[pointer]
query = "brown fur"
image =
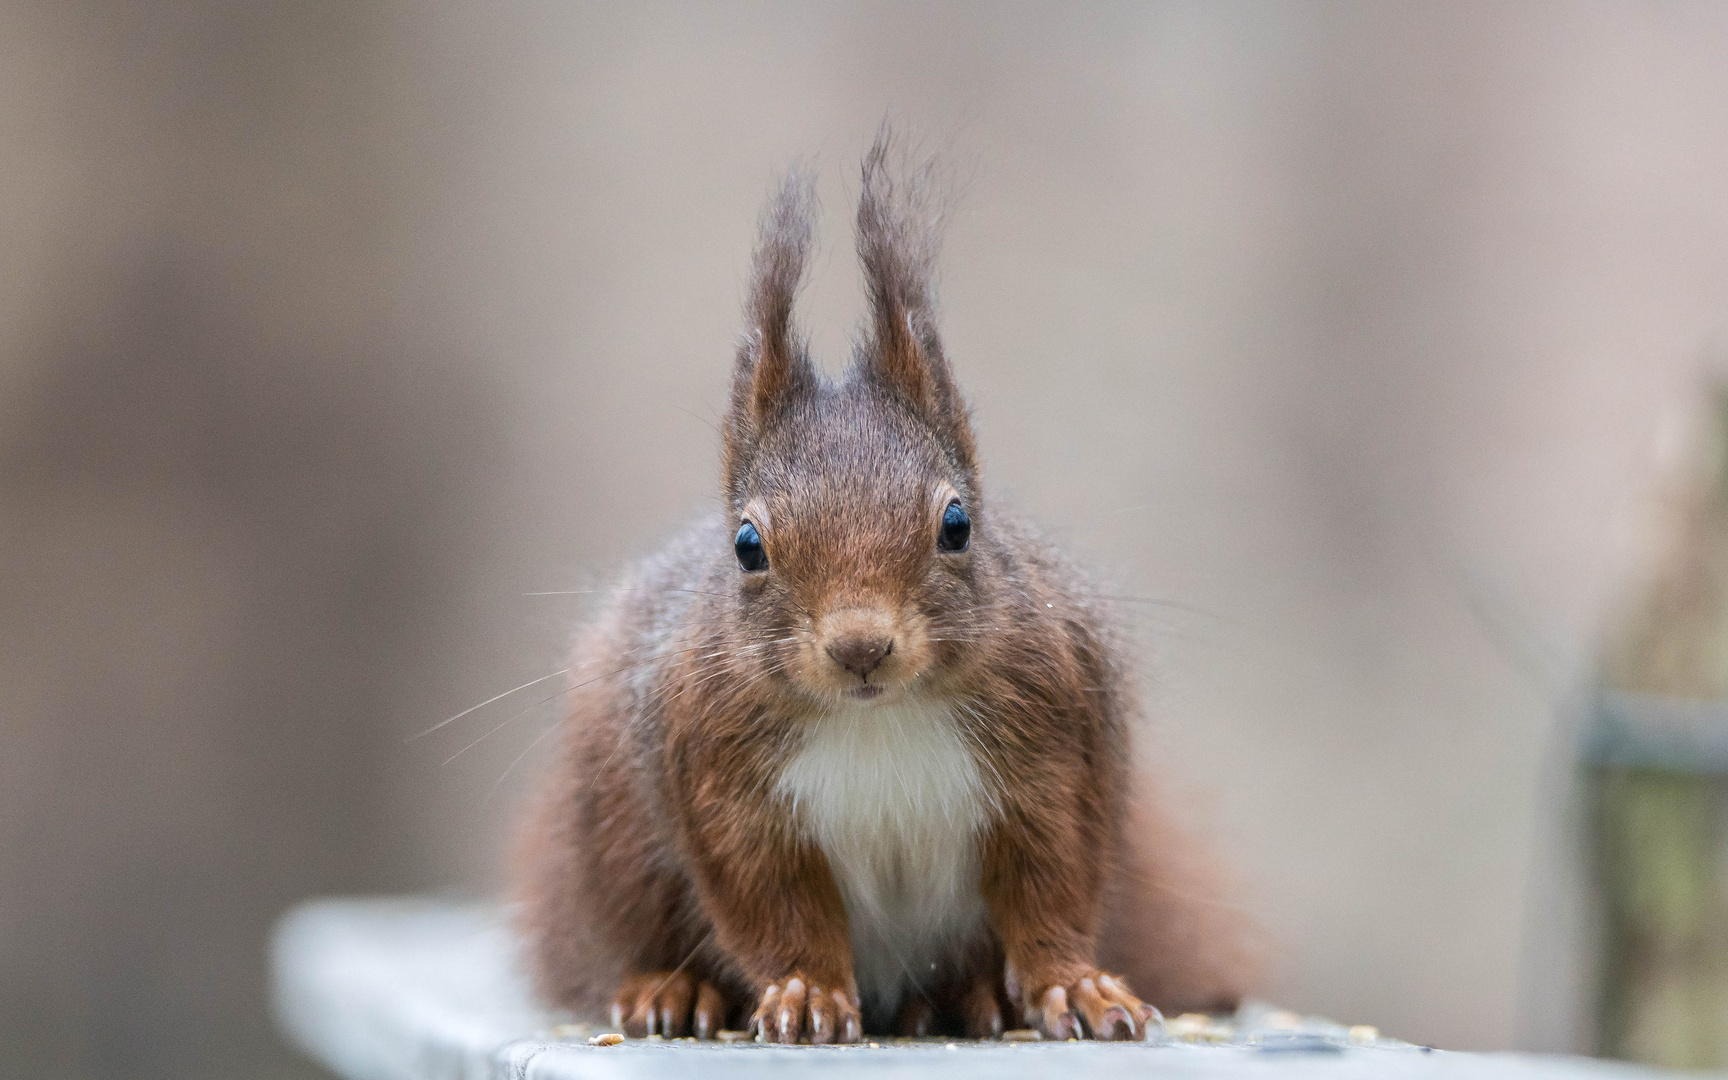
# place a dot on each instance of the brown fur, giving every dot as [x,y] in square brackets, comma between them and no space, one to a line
[663,874]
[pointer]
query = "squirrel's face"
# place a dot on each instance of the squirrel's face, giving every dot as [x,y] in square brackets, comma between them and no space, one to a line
[854,548]
[860,544]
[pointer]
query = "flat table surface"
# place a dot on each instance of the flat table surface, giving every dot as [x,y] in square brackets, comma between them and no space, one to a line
[413,989]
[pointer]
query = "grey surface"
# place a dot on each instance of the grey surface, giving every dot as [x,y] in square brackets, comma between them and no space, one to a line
[412,989]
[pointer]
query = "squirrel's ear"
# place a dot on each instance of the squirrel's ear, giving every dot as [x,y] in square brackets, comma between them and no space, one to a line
[901,211]
[773,368]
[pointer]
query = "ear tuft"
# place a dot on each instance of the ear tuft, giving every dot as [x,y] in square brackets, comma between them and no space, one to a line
[772,368]
[902,209]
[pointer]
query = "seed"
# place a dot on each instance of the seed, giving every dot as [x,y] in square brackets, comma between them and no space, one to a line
[1188,1026]
[1022,1035]
[732,1036]
[610,1038]
[1364,1033]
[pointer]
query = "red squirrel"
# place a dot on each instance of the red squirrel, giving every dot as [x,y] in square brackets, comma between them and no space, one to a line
[852,756]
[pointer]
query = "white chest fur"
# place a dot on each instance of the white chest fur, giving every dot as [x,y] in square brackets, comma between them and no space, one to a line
[894,797]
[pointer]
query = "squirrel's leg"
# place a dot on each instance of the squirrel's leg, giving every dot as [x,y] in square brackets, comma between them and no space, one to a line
[777,912]
[1042,889]
[981,1006]
[916,1017]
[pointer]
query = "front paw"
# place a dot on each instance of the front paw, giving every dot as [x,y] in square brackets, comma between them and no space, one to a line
[668,1003]
[795,1008]
[1096,1006]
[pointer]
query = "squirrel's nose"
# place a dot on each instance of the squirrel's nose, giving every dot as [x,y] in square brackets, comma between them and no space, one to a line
[860,655]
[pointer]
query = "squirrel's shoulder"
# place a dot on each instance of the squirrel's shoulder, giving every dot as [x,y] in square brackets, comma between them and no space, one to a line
[665,590]
[1039,576]
[1032,559]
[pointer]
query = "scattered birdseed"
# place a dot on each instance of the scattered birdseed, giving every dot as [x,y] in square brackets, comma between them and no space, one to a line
[732,1036]
[875,1046]
[1283,1020]
[1188,1026]
[1364,1033]
[1022,1035]
[611,1038]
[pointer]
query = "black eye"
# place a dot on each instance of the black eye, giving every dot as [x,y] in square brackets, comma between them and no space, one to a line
[748,545]
[956,529]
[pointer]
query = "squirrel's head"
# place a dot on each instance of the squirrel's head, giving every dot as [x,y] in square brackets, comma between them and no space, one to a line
[859,535]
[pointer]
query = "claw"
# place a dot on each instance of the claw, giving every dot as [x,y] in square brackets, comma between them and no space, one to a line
[710,1014]
[915,1019]
[852,1025]
[821,1025]
[1059,1022]
[1097,1006]
[800,1008]
[982,1011]
[791,1010]
[659,1003]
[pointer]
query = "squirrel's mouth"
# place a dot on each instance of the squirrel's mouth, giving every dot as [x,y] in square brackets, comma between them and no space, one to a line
[864,693]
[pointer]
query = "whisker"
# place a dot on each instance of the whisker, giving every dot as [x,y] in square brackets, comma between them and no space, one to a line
[597,772]
[488,701]
[553,697]
[506,723]
[1154,601]
[620,588]
[674,972]
[710,650]
[525,750]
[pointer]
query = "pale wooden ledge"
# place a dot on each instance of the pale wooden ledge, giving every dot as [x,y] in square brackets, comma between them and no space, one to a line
[412,989]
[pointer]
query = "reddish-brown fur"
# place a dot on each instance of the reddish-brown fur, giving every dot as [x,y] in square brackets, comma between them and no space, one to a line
[663,874]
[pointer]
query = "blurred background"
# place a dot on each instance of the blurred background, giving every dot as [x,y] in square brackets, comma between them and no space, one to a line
[1376,338]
